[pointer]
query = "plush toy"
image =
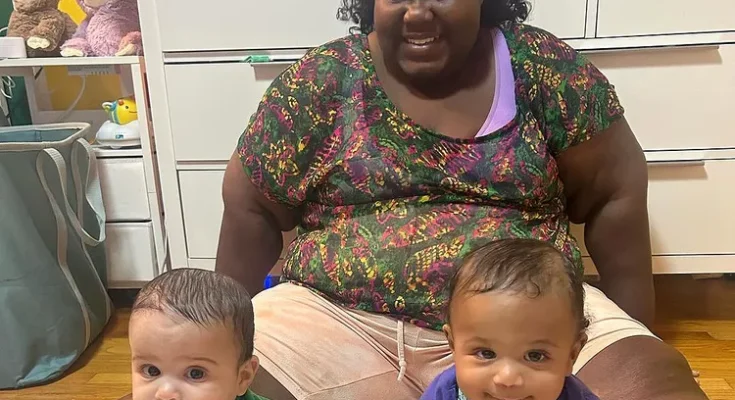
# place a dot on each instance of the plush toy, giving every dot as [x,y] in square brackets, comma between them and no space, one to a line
[111,28]
[41,25]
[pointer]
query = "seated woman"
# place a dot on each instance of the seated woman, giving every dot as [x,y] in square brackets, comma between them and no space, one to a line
[442,126]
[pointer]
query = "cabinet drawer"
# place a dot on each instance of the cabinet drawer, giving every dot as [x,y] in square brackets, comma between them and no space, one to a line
[690,209]
[564,18]
[201,200]
[655,17]
[124,190]
[130,254]
[238,24]
[210,105]
[676,99]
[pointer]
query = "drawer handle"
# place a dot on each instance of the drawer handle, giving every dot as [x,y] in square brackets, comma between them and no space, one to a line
[685,158]
[272,59]
[673,163]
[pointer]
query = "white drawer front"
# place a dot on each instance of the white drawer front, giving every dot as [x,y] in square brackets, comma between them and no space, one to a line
[690,209]
[247,24]
[130,254]
[201,198]
[676,99]
[124,190]
[563,18]
[210,105]
[656,17]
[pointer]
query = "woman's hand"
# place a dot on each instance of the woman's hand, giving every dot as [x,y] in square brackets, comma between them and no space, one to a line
[606,184]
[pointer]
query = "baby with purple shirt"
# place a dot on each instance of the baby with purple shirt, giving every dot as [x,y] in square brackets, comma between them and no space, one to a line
[515,324]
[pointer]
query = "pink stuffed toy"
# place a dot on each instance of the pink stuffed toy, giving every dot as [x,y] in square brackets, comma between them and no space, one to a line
[111,28]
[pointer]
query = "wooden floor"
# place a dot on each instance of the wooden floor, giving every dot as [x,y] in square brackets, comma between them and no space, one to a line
[697,317]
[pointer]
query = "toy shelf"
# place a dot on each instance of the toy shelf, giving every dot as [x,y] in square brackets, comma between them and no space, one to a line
[68,61]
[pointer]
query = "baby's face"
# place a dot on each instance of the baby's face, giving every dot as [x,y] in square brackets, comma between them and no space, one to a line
[174,359]
[508,346]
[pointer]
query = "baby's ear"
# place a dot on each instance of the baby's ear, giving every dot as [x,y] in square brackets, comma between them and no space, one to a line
[448,332]
[581,341]
[247,374]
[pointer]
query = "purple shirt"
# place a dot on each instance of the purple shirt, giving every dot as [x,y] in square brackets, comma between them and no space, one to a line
[444,387]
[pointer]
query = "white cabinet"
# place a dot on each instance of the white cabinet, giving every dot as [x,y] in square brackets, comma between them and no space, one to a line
[690,209]
[124,189]
[656,17]
[135,236]
[130,254]
[201,198]
[678,98]
[564,18]
[210,105]
[247,24]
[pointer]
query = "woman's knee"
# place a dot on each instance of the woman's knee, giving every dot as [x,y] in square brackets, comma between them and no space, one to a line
[641,367]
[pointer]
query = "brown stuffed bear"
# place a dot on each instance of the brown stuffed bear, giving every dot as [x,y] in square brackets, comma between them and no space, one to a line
[42,25]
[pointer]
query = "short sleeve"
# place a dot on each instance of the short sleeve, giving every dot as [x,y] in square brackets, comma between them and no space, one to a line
[578,100]
[275,147]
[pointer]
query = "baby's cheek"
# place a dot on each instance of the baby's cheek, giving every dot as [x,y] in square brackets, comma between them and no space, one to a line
[211,390]
[471,378]
[547,385]
[143,390]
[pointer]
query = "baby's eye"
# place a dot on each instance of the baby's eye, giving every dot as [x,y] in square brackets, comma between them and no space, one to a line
[196,374]
[486,354]
[535,356]
[151,371]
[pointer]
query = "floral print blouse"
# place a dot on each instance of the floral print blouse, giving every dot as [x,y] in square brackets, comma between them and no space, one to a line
[389,208]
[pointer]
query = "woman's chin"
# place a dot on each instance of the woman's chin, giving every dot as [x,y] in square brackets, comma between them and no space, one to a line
[422,71]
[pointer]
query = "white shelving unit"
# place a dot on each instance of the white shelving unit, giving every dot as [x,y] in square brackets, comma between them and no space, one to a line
[136,244]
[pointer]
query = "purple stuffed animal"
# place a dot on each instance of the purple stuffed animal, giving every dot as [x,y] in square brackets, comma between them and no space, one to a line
[111,28]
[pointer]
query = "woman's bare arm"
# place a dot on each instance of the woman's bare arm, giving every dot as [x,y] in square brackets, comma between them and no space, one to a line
[606,183]
[250,237]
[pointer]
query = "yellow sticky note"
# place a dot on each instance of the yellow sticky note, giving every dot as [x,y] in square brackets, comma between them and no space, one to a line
[72,8]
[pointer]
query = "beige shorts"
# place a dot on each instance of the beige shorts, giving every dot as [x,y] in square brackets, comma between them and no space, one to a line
[319,350]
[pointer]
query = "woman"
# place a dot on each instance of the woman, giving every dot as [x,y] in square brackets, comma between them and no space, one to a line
[444,125]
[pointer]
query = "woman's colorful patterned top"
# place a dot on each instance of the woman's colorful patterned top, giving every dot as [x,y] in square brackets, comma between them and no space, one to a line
[389,208]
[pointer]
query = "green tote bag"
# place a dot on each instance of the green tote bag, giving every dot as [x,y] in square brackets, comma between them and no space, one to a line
[53,301]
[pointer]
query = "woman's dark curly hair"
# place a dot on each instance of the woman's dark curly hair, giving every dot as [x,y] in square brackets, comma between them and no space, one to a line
[494,13]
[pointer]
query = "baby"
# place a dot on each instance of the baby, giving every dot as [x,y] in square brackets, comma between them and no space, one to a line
[191,338]
[515,324]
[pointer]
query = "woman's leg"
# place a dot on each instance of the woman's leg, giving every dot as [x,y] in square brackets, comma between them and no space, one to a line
[311,349]
[623,360]
[640,368]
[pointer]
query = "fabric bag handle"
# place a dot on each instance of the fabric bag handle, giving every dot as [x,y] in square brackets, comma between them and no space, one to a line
[88,189]
[62,235]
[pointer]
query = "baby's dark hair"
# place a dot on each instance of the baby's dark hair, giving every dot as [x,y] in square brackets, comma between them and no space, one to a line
[205,298]
[527,266]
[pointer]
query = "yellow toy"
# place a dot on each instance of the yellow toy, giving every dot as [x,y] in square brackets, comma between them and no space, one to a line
[122,111]
[122,128]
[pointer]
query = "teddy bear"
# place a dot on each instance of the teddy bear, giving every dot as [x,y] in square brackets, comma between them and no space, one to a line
[42,25]
[111,28]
